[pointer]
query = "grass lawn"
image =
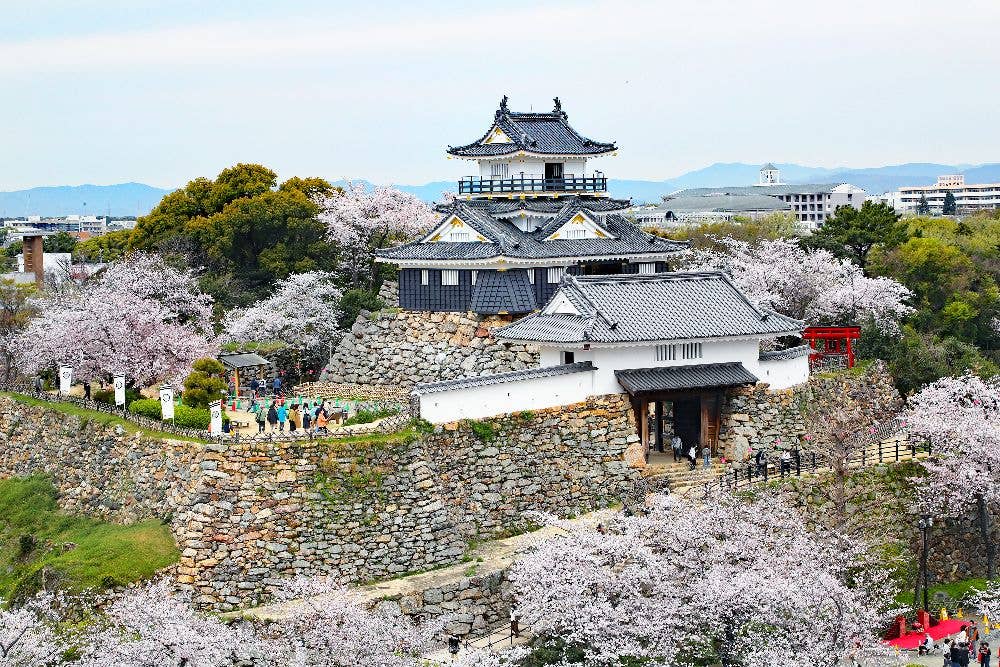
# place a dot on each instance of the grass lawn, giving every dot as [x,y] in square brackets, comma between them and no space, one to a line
[955,590]
[40,544]
[94,416]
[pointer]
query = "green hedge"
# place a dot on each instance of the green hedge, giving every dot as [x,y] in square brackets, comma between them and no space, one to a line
[368,416]
[184,415]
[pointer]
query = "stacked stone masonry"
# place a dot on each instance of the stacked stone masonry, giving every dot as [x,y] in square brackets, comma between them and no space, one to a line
[405,348]
[246,514]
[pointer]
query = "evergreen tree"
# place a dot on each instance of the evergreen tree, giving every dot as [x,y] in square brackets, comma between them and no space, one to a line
[851,233]
[949,207]
[923,208]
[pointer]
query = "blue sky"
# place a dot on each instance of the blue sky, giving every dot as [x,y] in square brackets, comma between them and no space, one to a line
[160,92]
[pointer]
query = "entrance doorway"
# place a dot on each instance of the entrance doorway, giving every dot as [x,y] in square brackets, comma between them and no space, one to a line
[553,175]
[687,420]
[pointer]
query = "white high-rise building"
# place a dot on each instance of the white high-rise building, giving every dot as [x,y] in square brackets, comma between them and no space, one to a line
[968,198]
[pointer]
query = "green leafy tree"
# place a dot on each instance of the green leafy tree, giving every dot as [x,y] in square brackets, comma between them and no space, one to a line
[205,383]
[16,310]
[104,248]
[923,208]
[353,302]
[852,233]
[244,228]
[61,242]
[949,207]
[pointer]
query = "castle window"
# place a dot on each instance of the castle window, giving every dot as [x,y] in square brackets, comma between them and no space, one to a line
[461,236]
[691,351]
[423,277]
[531,276]
[475,274]
[647,268]
[576,233]
[568,357]
[555,274]
[499,170]
[449,277]
[666,352]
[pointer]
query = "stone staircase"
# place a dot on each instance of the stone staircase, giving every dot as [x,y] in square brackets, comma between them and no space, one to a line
[678,476]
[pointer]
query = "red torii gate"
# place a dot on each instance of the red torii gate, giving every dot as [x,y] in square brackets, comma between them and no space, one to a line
[831,341]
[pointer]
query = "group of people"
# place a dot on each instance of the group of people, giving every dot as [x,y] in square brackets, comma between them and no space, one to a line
[295,416]
[260,387]
[962,649]
[677,444]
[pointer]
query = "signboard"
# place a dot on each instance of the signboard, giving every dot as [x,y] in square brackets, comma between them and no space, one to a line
[215,409]
[120,391]
[167,402]
[65,379]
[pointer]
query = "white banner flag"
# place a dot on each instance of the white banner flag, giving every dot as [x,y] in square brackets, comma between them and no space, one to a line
[65,379]
[120,391]
[167,402]
[215,408]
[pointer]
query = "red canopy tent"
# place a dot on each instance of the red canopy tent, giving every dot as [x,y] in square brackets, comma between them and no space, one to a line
[828,343]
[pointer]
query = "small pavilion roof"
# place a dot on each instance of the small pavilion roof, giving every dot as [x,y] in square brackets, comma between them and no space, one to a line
[539,133]
[244,360]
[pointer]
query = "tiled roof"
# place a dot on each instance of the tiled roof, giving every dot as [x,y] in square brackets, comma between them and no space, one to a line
[497,378]
[640,308]
[671,378]
[247,360]
[504,239]
[542,133]
[768,167]
[721,203]
[552,204]
[790,353]
[782,189]
[503,292]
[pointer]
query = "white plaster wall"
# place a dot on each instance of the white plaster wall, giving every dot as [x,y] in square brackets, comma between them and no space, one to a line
[784,373]
[779,374]
[506,397]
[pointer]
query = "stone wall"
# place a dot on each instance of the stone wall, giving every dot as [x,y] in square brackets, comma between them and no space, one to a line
[244,514]
[404,348]
[756,417]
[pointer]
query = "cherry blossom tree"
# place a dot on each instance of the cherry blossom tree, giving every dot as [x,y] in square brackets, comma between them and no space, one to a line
[362,221]
[960,418]
[327,626]
[27,635]
[139,318]
[806,284]
[746,582]
[151,627]
[302,312]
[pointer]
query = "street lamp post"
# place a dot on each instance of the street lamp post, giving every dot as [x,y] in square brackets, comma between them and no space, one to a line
[925,523]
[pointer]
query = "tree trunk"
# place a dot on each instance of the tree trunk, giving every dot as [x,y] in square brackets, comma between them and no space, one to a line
[984,531]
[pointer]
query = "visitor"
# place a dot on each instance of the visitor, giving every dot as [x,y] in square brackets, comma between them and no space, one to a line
[926,645]
[786,462]
[293,417]
[706,455]
[86,390]
[321,421]
[678,446]
[282,416]
[39,385]
[254,388]
[260,414]
[276,385]
[973,633]
[983,657]
[272,416]
[761,460]
[958,653]
[693,456]
[306,418]
[963,634]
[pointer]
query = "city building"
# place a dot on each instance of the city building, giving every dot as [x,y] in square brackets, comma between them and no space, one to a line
[533,212]
[969,198]
[810,203]
[685,338]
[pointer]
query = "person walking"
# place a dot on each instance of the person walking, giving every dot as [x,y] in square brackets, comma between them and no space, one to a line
[786,462]
[706,455]
[306,418]
[678,446]
[255,387]
[277,385]
[293,417]
[693,457]
[86,390]
[956,653]
[321,421]
[282,416]
[983,657]
[260,415]
[272,416]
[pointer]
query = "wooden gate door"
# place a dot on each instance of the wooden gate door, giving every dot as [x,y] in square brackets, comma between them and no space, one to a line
[710,409]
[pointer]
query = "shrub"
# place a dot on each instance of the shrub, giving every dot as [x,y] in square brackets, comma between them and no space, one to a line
[145,407]
[205,383]
[353,302]
[104,396]
[482,430]
[368,416]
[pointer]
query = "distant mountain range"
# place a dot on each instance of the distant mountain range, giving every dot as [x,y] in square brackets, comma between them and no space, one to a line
[130,199]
